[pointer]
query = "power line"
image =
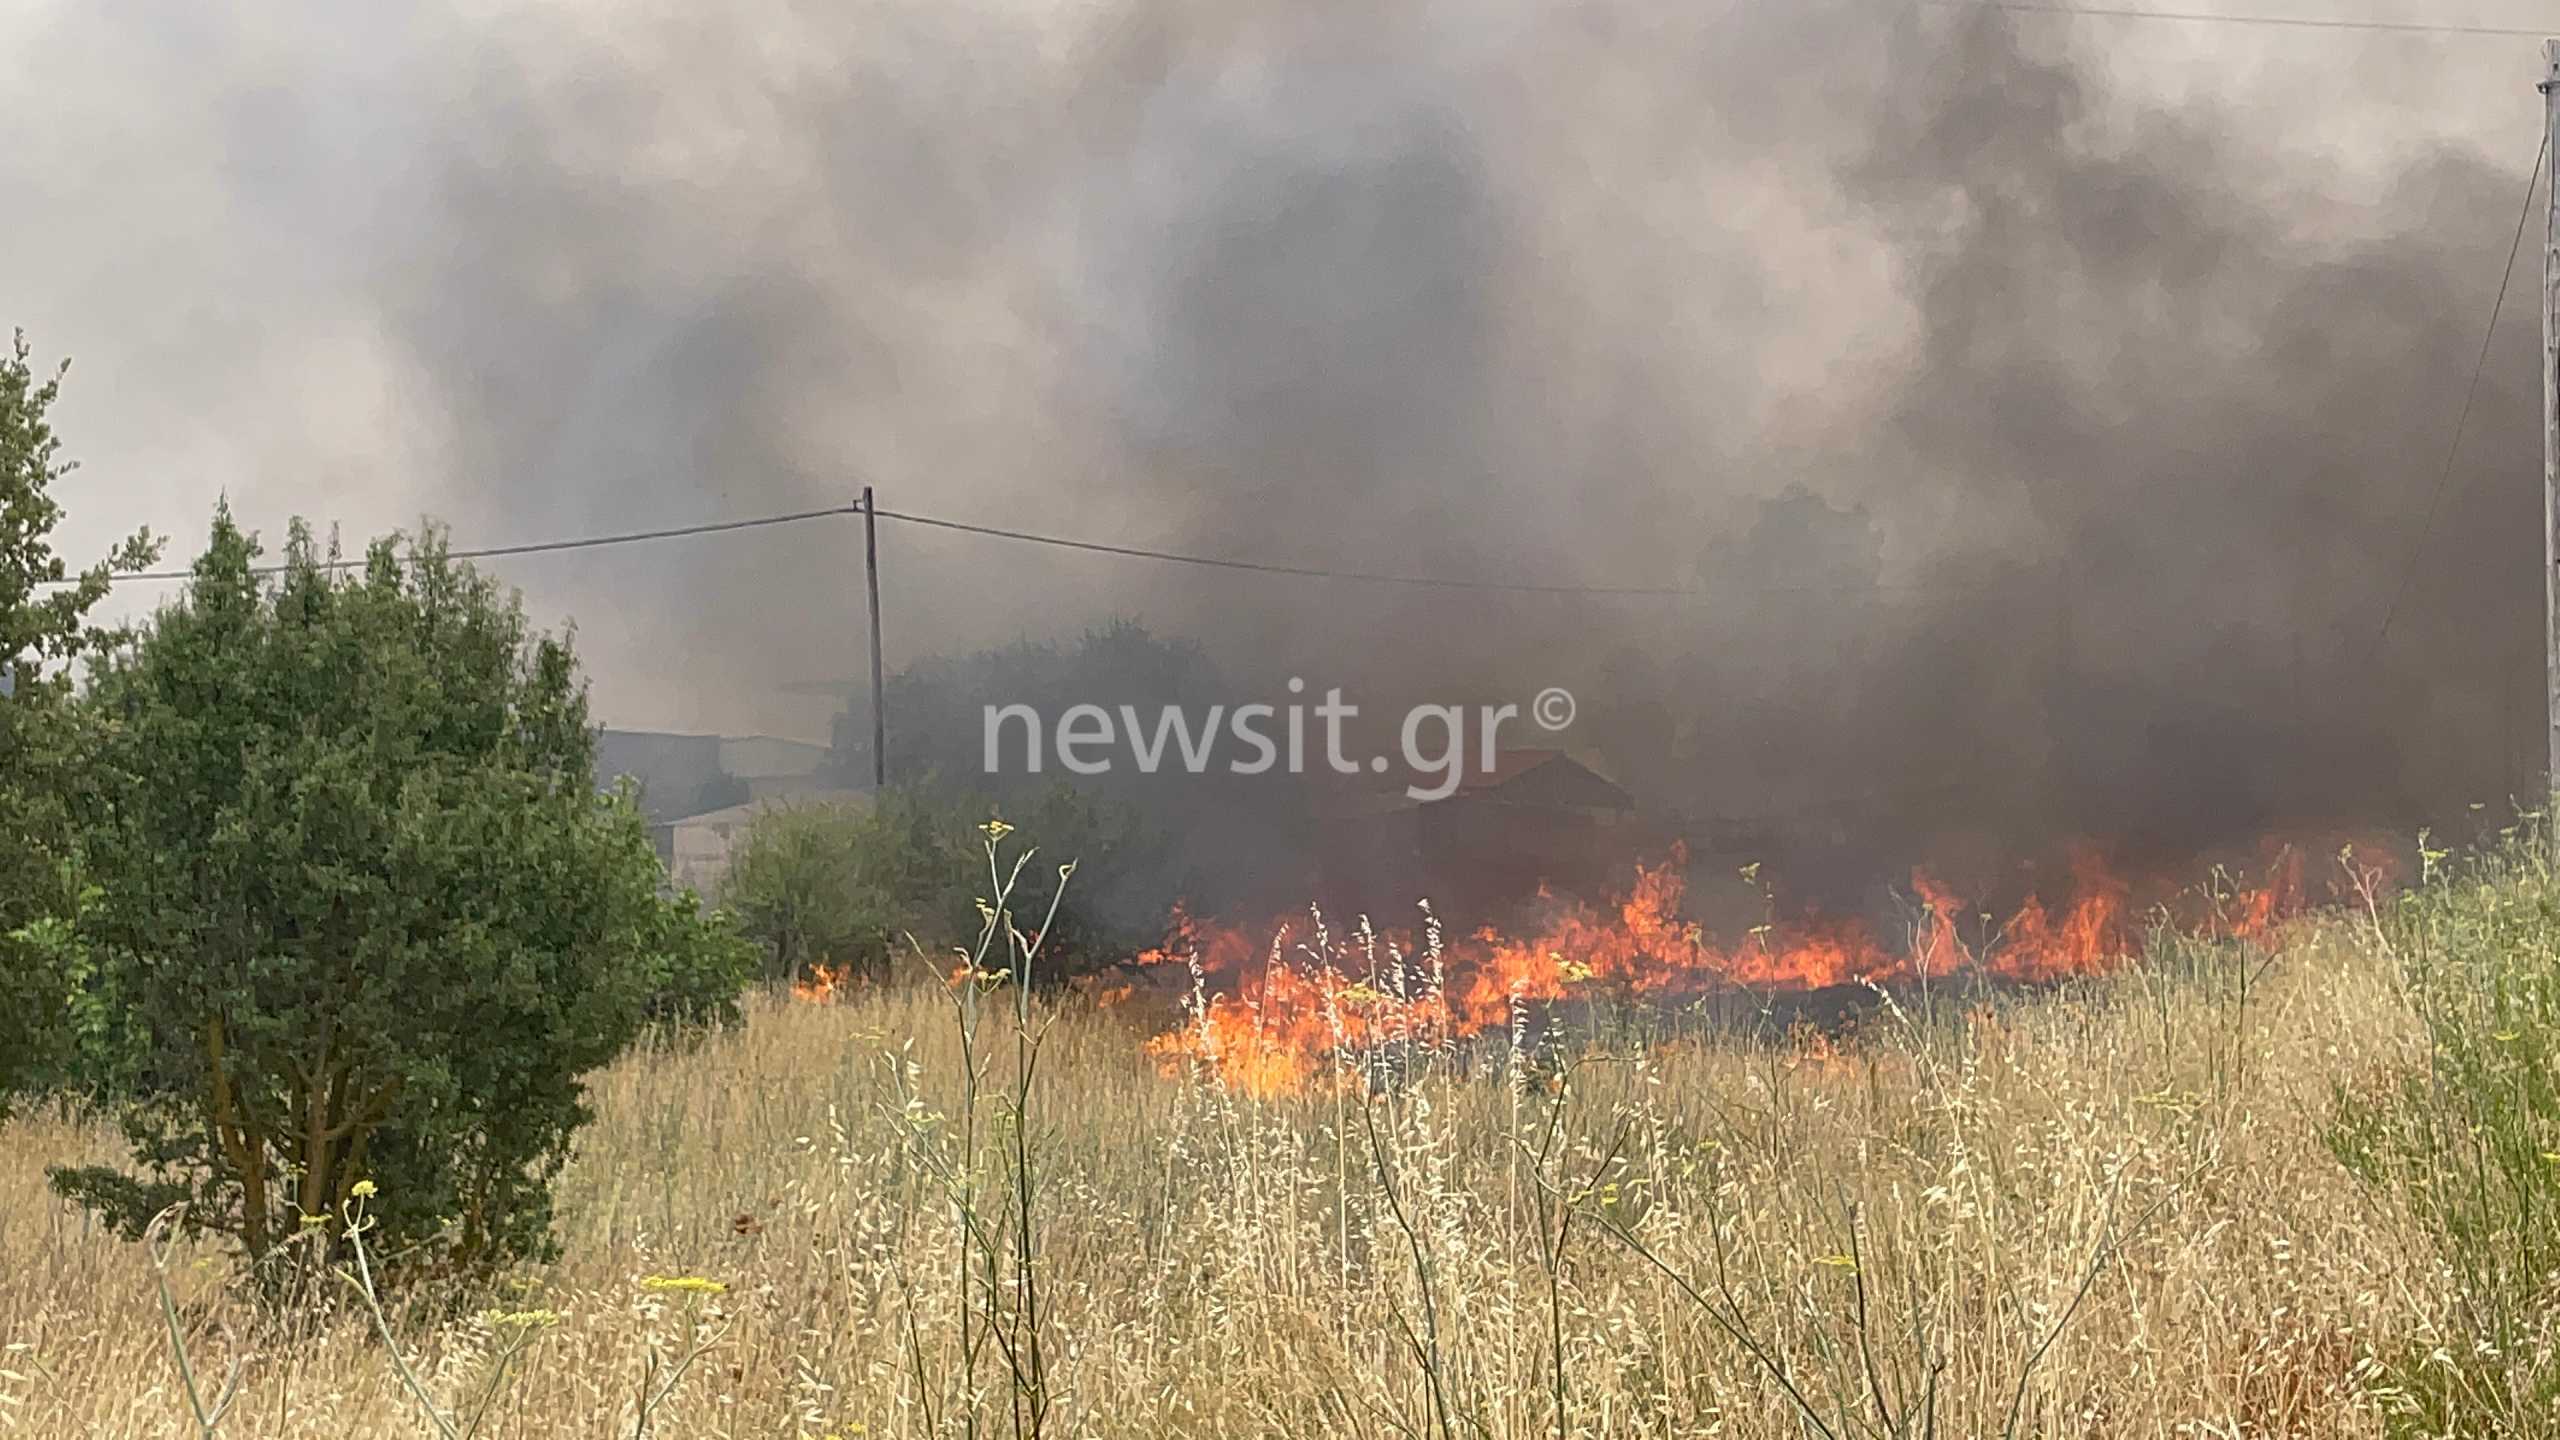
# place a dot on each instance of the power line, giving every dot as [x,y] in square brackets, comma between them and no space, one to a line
[2199,17]
[537,547]
[1366,577]
[1427,582]
[1096,547]
[2470,396]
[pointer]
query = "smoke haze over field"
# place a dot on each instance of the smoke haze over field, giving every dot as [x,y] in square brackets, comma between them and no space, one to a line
[2044,410]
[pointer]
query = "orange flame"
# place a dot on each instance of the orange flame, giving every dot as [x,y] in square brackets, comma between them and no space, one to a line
[1276,1019]
[824,984]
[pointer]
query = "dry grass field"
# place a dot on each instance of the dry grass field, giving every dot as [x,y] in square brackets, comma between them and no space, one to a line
[2103,1211]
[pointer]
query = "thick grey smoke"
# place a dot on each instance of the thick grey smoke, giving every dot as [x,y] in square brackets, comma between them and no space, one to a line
[2044,449]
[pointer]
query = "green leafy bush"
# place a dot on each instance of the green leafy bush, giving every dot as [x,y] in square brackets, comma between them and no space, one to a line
[365,914]
[2469,1140]
[840,885]
[1124,881]
[847,885]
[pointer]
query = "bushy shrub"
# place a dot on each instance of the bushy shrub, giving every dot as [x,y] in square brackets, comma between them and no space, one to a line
[2469,1140]
[1125,879]
[849,885]
[840,885]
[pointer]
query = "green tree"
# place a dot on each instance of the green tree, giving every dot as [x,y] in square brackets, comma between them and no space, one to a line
[367,915]
[936,706]
[43,629]
[1141,840]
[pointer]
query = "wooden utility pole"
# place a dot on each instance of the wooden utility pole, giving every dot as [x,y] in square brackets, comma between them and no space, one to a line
[2551,431]
[880,722]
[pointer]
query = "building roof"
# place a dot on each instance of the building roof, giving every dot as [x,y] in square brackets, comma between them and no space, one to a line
[737,814]
[1510,765]
[1549,778]
[1544,777]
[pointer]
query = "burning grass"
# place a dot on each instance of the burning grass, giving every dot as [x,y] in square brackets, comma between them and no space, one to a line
[1289,1006]
[2110,1207]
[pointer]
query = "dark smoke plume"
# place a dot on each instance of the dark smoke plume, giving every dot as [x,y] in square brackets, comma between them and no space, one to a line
[2045,454]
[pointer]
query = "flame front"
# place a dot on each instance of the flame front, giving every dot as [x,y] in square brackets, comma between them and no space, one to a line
[1274,1018]
[823,984]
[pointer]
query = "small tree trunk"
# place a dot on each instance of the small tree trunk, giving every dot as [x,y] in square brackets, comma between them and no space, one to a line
[243,1144]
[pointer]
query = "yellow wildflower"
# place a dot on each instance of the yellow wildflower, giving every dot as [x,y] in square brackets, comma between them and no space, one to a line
[523,1319]
[682,1285]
